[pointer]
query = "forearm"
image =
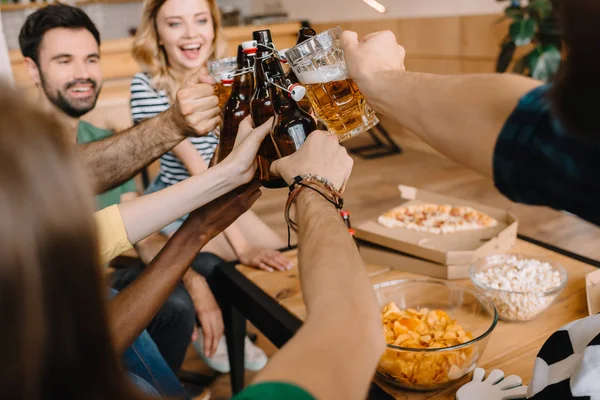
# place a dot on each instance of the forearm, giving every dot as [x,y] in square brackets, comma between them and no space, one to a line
[148,248]
[116,159]
[459,115]
[189,156]
[134,307]
[236,239]
[150,213]
[342,311]
[331,269]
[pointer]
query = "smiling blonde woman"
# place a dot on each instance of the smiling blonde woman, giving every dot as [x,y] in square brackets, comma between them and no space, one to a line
[174,39]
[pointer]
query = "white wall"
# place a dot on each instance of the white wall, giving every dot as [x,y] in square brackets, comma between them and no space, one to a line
[349,10]
[5,68]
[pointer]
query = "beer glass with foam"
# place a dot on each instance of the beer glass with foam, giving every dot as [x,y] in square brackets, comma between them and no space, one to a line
[221,71]
[320,66]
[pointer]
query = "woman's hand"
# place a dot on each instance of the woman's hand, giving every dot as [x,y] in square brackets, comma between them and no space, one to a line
[265,259]
[242,160]
[207,309]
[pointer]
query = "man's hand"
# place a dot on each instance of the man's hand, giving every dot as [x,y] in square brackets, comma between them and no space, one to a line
[322,155]
[207,309]
[242,159]
[265,259]
[370,60]
[195,109]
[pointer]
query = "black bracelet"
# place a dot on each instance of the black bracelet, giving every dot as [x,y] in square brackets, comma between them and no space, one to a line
[294,189]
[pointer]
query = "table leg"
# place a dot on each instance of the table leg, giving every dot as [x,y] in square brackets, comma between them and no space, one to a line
[235,333]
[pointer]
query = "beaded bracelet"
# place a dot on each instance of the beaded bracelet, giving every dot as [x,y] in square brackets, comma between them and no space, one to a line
[316,183]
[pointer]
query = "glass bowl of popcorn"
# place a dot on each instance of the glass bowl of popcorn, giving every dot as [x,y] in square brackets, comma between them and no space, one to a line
[435,332]
[520,286]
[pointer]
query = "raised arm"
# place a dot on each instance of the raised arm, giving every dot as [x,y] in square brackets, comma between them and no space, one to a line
[148,214]
[133,308]
[335,353]
[459,115]
[116,159]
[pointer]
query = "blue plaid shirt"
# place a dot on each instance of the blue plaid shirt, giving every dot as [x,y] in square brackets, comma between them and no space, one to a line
[536,162]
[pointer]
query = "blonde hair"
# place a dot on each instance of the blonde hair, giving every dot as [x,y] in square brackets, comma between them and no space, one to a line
[152,57]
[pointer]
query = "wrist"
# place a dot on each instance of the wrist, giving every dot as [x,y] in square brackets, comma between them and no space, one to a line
[307,196]
[191,278]
[376,87]
[230,175]
[174,124]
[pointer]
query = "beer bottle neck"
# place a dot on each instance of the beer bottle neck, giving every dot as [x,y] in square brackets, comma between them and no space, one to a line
[243,86]
[282,103]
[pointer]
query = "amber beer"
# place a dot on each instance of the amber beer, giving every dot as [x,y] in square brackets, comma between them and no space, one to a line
[237,106]
[223,91]
[221,70]
[338,103]
[261,108]
[319,65]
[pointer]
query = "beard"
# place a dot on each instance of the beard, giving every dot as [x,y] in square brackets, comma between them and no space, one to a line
[74,108]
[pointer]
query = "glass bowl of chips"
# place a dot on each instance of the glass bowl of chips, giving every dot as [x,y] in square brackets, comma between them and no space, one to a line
[435,332]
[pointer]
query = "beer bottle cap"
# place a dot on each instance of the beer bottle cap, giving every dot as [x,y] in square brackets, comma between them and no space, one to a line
[297,92]
[250,47]
[282,58]
[226,78]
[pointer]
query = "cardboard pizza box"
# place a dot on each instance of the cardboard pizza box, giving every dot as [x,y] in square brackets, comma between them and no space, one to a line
[459,248]
[378,255]
[592,288]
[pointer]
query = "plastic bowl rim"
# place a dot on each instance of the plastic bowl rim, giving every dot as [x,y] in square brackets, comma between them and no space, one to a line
[483,299]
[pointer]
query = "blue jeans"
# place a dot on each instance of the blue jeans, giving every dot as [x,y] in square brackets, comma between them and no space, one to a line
[143,385]
[144,361]
[156,186]
[145,365]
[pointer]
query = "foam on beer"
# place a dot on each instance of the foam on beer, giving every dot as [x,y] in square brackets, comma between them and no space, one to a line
[326,74]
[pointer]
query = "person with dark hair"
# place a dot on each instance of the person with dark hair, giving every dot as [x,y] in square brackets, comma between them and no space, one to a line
[60,344]
[60,44]
[62,341]
[61,49]
[73,91]
[540,143]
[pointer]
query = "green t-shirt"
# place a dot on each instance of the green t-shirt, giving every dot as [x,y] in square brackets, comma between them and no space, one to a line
[87,133]
[273,391]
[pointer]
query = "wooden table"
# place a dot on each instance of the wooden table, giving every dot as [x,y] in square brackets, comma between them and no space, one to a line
[273,303]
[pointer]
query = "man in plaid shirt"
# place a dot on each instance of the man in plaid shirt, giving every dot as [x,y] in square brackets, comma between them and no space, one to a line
[540,144]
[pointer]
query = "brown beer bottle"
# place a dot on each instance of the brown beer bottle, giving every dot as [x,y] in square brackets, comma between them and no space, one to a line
[237,107]
[303,35]
[292,124]
[261,108]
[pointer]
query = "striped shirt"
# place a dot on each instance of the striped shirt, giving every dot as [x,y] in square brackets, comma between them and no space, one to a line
[147,102]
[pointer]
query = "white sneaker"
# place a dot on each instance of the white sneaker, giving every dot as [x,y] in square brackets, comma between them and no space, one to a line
[255,358]
[220,360]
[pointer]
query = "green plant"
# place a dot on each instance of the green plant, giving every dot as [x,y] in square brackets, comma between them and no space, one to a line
[532,24]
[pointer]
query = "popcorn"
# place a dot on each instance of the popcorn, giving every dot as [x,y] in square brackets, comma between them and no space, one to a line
[518,287]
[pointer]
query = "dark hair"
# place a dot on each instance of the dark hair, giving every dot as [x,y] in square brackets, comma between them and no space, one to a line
[50,17]
[55,342]
[578,84]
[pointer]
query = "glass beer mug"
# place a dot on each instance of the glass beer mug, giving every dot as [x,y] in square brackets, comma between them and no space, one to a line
[220,70]
[320,66]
